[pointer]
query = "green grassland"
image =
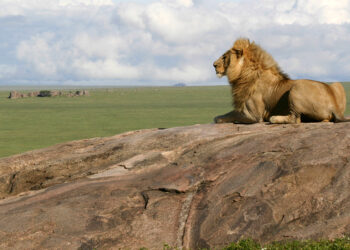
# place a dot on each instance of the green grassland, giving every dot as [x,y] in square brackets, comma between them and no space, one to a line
[33,123]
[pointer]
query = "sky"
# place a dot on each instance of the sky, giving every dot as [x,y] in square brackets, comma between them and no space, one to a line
[164,42]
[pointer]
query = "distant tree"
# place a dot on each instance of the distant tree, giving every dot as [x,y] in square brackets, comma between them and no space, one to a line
[45,93]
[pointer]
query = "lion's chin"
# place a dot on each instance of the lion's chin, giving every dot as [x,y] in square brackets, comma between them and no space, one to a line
[219,75]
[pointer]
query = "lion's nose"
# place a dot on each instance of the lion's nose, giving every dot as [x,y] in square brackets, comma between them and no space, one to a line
[214,64]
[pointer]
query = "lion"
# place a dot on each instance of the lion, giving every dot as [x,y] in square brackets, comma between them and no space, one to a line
[262,92]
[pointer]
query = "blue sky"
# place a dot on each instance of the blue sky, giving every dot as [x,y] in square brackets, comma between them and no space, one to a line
[103,42]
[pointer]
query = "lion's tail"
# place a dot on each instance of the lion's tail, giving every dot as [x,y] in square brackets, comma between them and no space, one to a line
[340,118]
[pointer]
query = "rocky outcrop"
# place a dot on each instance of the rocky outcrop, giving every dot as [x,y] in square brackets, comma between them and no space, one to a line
[16,94]
[195,187]
[48,93]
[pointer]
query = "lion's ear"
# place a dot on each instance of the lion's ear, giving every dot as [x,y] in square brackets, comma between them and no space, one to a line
[238,52]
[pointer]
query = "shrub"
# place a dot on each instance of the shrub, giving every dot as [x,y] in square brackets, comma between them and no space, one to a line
[247,244]
[45,93]
[337,244]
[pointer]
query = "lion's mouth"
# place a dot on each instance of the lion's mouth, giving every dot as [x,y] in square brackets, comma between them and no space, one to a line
[219,75]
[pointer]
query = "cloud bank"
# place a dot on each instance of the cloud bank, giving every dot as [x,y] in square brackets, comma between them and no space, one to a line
[166,41]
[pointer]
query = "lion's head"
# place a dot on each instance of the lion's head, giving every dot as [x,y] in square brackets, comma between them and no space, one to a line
[231,62]
[245,61]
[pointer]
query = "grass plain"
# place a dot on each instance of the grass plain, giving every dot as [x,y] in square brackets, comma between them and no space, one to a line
[32,123]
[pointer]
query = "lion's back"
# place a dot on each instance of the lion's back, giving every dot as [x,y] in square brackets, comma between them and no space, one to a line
[317,100]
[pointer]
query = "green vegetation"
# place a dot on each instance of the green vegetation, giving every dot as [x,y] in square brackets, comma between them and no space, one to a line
[32,123]
[337,244]
[249,244]
[45,93]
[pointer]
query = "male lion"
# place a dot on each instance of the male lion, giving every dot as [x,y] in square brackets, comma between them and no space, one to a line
[262,92]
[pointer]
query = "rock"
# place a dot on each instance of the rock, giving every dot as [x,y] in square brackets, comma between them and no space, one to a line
[48,93]
[81,93]
[33,94]
[14,95]
[55,93]
[201,186]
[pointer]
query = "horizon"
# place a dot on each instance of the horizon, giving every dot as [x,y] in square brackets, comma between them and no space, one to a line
[74,87]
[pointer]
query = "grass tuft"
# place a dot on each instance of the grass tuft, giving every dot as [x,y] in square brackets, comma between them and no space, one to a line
[337,244]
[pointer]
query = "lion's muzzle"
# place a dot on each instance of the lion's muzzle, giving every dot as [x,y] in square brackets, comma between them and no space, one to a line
[216,66]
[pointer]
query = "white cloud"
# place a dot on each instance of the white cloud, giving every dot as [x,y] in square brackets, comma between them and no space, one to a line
[44,7]
[168,40]
[38,52]
[179,3]
[100,47]
[302,12]
[104,69]
[327,12]
[180,26]
[64,3]
[132,15]
[7,71]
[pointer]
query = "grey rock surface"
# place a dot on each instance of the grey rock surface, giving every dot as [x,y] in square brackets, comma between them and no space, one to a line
[195,187]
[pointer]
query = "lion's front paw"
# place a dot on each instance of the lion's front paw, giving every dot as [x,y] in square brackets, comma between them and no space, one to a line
[273,119]
[280,119]
[219,119]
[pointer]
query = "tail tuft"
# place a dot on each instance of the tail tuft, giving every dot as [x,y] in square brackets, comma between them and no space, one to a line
[341,118]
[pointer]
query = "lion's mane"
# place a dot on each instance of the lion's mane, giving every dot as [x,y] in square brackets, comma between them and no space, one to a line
[256,63]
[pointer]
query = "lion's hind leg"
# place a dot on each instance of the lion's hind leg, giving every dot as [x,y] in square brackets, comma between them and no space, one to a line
[283,119]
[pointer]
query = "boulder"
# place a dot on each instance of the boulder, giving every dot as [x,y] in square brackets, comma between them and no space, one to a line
[200,186]
[81,93]
[33,94]
[56,93]
[14,95]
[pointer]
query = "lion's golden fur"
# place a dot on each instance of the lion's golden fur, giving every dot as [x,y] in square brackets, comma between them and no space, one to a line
[256,62]
[261,91]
